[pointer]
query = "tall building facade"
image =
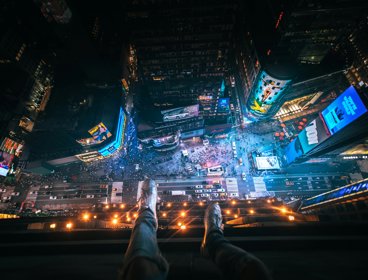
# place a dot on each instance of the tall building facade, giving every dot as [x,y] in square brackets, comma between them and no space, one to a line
[357,48]
[308,30]
[29,83]
[183,51]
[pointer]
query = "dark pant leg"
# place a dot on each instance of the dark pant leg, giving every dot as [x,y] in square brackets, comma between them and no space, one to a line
[143,259]
[234,262]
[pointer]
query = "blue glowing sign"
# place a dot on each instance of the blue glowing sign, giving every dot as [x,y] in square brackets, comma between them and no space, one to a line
[338,193]
[116,144]
[223,104]
[344,110]
[293,151]
[222,88]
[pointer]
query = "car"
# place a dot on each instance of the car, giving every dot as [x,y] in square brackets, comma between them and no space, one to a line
[232,81]
[175,117]
[244,176]
[234,195]
[209,186]
[53,197]
[198,186]
[206,142]
[215,194]
[46,187]
[205,195]
[2,190]
[136,166]
[15,194]
[6,198]
[90,196]
[221,190]
[207,190]
[198,191]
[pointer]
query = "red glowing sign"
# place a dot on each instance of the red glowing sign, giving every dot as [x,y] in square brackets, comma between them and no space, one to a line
[279,19]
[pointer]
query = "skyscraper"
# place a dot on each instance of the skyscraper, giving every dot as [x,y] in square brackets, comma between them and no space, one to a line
[183,51]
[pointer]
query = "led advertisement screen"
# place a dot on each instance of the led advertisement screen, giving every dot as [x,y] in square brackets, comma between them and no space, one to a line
[115,145]
[312,135]
[5,162]
[266,92]
[11,147]
[100,133]
[339,193]
[344,110]
[265,163]
[224,104]
[293,151]
[180,113]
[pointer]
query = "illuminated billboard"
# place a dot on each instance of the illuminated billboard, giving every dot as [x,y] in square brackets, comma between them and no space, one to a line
[11,147]
[100,133]
[90,156]
[116,144]
[265,163]
[5,162]
[337,194]
[224,104]
[265,93]
[293,151]
[180,113]
[344,110]
[312,135]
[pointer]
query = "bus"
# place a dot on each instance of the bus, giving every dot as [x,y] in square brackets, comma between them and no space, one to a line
[215,171]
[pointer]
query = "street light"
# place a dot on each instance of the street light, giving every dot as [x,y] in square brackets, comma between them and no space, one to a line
[169,204]
[122,206]
[116,215]
[182,214]
[233,202]
[53,226]
[86,217]
[164,214]
[183,227]
[69,225]
[114,221]
[283,210]
[107,206]
[291,218]
[251,211]
[185,204]
[228,212]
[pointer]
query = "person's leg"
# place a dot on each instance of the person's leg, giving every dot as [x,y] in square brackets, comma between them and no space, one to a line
[233,261]
[143,259]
